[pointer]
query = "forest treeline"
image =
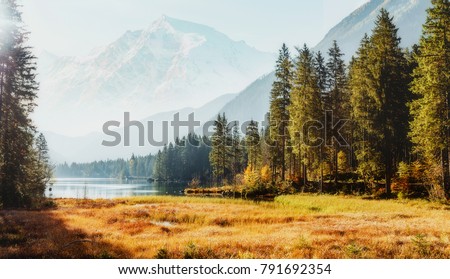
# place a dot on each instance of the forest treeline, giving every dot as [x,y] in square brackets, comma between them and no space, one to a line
[136,166]
[379,124]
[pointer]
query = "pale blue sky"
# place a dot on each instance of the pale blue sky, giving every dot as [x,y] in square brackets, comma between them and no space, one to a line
[74,27]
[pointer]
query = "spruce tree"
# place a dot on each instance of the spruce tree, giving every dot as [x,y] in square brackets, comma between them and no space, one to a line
[337,100]
[158,167]
[431,86]
[236,151]
[322,76]
[252,143]
[306,112]
[362,110]
[19,166]
[220,157]
[279,114]
[44,165]
[380,82]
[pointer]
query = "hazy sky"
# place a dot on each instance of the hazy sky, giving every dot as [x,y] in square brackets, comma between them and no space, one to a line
[74,27]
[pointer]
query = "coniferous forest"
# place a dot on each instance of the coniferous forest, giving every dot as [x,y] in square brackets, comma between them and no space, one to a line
[136,166]
[378,124]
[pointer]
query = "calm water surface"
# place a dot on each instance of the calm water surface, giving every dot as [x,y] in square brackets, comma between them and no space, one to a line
[107,188]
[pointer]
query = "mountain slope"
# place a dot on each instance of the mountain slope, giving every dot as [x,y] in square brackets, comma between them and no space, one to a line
[252,103]
[89,147]
[409,15]
[170,65]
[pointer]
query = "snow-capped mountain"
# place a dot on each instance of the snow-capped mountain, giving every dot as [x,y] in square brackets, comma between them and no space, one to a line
[170,65]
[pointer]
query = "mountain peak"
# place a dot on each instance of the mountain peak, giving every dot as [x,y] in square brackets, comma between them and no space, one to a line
[173,25]
[162,23]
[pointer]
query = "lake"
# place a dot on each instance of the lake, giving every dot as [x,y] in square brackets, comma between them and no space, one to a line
[108,188]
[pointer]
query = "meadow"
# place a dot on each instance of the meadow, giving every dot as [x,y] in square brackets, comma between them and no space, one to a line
[295,226]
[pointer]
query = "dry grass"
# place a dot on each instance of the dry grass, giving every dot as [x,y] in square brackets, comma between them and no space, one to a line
[302,226]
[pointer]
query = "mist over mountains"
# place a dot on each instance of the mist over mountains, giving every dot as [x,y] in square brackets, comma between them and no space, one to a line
[170,65]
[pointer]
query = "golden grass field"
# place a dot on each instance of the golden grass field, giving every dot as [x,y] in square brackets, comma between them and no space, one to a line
[300,226]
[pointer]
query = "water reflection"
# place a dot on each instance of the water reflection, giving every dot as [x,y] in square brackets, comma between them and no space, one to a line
[94,188]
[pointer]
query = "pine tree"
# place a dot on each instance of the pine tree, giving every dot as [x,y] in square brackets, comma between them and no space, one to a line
[279,115]
[237,150]
[157,169]
[220,157]
[132,165]
[322,76]
[165,171]
[305,111]
[44,166]
[431,86]
[380,83]
[19,169]
[363,107]
[337,97]
[252,142]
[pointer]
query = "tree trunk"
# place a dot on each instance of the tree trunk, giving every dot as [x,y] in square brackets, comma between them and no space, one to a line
[321,168]
[305,179]
[335,165]
[1,98]
[388,164]
[445,170]
[283,159]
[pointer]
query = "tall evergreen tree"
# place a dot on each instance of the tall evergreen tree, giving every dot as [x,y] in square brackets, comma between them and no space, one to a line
[132,163]
[157,170]
[44,166]
[306,112]
[279,114]
[322,74]
[237,150]
[337,100]
[220,156]
[252,142]
[431,109]
[380,82]
[363,107]
[18,91]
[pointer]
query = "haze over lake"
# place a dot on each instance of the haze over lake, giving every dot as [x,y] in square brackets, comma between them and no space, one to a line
[108,188]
